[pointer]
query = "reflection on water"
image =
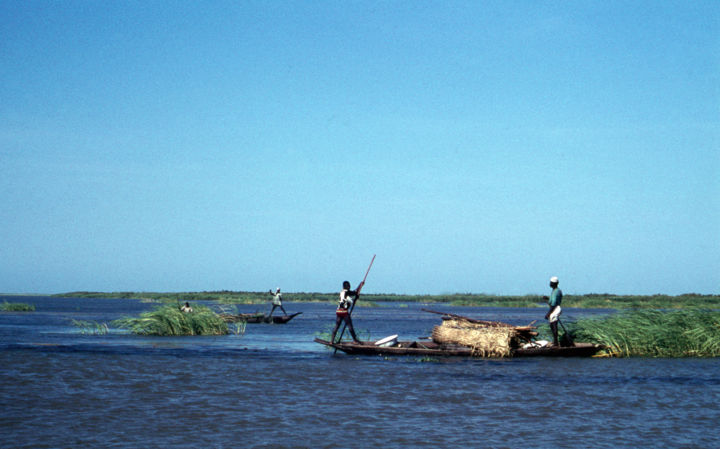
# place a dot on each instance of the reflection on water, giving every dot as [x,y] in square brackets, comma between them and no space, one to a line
[275,388]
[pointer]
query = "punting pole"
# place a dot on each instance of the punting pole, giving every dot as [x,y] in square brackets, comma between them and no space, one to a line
[565,333]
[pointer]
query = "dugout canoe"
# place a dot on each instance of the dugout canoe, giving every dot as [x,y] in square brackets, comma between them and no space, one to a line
[257,318]
[429,348]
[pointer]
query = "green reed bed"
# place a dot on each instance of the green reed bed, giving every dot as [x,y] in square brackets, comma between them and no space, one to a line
[610,301]
[588,301]
[481,300]
[91,327]
[16,307]
[223,297]
[169,320]
[653,333]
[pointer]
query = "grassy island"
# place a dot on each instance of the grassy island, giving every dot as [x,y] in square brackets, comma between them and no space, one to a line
[16,307]
[169,320]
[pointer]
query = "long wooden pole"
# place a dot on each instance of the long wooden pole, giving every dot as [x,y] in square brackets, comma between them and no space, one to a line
[356,299]
[471,320]
[567,336]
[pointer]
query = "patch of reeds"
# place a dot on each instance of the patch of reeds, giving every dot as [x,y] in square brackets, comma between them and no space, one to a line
[610,301]
[91,327]
[495,301]
[228,314]
[238,328]
[16,307]
[485,341]
[592,300]
[652,333]
[169,320]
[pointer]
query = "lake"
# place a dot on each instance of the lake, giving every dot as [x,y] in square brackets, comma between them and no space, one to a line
[273,387]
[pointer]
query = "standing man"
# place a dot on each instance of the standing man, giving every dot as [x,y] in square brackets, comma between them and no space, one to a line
[347,299]
[276,301]
[554,303]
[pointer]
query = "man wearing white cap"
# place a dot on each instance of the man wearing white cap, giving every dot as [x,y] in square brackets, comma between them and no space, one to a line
[555,310]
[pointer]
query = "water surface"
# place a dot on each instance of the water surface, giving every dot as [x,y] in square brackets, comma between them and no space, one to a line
[274,388]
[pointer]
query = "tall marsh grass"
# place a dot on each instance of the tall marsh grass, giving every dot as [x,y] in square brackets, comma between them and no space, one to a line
[168,320]
[16,307]
[652,333]
[91,327]
[592,300]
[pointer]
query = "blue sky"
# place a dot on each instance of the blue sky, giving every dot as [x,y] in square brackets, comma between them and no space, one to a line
[473,146]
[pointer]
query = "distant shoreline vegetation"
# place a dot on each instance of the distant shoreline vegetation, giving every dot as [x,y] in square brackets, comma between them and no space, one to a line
[588,301]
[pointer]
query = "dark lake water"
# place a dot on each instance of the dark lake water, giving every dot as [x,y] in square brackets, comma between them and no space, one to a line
[274,388]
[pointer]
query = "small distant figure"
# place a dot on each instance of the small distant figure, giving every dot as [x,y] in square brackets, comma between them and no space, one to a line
[347,299]
[186,308]
[276,301]
[554,303]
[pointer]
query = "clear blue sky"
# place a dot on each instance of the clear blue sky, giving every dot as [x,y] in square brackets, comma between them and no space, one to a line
[473,146]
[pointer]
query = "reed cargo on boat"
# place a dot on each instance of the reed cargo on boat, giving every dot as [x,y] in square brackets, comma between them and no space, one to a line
[484,338]
[485,341]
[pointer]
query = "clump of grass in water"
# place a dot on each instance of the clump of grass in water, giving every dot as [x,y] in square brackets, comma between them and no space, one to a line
[91,327]
[652,333]
[169,320]
[16,307]
[238,328]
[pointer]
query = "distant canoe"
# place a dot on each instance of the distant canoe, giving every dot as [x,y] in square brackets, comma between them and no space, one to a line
[430,348]
[257,318]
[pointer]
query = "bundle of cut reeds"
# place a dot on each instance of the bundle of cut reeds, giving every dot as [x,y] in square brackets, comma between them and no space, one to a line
[485,341]
[486,338]
[526,333]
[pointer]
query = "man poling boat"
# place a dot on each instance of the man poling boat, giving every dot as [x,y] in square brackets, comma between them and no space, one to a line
[346,304]
[347,301]
[276,302]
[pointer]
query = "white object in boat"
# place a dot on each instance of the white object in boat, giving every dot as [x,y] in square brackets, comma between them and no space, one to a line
[387,341]
[536,344]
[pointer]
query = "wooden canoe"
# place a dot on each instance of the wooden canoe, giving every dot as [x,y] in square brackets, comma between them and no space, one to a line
[429,348]
[258,318]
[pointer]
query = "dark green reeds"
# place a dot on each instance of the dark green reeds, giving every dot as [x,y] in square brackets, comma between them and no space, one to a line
[652,333]
[91,327]
[16,307]
[588,301]
[169,320]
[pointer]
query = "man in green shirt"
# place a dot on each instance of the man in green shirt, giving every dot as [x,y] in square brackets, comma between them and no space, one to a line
[554,303]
